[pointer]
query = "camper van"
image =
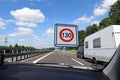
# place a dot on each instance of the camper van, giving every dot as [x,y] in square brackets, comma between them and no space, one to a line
[101,46]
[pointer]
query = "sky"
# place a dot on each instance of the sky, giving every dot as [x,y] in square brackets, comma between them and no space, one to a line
[31,22]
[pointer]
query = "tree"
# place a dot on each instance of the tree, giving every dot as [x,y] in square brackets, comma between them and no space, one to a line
[51,48]
[10,46]
[105,22]
[81,36]
[23,46]
[91,29]
[114,16]
[115,19]
[114,13]
[16,45]
[115,8]
[29,47]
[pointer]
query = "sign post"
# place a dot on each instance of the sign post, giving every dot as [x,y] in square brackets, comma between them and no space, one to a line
[65,35]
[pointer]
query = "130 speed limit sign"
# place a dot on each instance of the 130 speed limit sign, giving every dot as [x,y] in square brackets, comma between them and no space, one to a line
[66,35]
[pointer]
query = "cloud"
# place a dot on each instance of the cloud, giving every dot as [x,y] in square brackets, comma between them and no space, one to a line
[95,22]
[29,24]
[33,40]
[50,31]
[40,43]
[2,24]
[107,3]
[22,40]
[99,11]
[103,8]
[9,21]
[28,17]
[22,31]
[83,19]
[2,38]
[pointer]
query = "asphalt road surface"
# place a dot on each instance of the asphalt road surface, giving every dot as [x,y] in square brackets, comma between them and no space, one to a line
[59,57]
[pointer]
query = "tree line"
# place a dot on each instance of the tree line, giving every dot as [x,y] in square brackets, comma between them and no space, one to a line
[16,46]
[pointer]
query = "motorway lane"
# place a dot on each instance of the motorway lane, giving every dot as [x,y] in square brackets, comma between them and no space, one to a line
[58,57]
[73,56]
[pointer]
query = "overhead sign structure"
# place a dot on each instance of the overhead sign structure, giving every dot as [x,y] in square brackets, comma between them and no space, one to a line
[65,35]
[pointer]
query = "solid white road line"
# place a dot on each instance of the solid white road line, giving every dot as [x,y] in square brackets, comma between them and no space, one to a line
[77,62]
[42,58]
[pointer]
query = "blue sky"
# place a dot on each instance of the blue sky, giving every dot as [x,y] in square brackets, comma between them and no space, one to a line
[31,22]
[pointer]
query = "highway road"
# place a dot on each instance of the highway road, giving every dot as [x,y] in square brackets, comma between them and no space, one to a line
[62,57]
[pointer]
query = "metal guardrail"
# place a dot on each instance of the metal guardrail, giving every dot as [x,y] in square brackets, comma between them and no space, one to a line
[22,54]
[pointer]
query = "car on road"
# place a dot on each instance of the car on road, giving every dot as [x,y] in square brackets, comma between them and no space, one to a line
[80,52]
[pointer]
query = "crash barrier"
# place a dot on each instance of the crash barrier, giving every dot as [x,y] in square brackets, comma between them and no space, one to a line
[19,54]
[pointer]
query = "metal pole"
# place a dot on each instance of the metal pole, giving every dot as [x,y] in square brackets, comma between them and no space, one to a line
[21,55]
[17,56]
[2,59]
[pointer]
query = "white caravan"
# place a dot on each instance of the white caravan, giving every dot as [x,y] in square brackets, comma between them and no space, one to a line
[101,45]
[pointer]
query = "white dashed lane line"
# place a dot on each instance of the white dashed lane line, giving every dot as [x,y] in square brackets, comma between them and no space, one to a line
[42,58]
[77,62]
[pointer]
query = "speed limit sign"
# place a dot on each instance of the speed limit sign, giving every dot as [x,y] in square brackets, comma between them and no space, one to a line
[66,35]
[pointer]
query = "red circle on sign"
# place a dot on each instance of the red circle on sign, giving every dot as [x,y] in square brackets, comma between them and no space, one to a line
[63,38]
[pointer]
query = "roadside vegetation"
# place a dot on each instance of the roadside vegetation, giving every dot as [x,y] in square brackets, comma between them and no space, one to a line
[16,46]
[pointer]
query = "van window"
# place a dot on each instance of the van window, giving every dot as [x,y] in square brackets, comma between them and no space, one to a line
[86,44]
[97,43]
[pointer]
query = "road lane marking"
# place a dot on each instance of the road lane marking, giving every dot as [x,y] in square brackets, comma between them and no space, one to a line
[25,60]
[41,58]
[77,62]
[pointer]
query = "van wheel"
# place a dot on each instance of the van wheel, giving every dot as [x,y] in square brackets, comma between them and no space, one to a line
[94,60]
